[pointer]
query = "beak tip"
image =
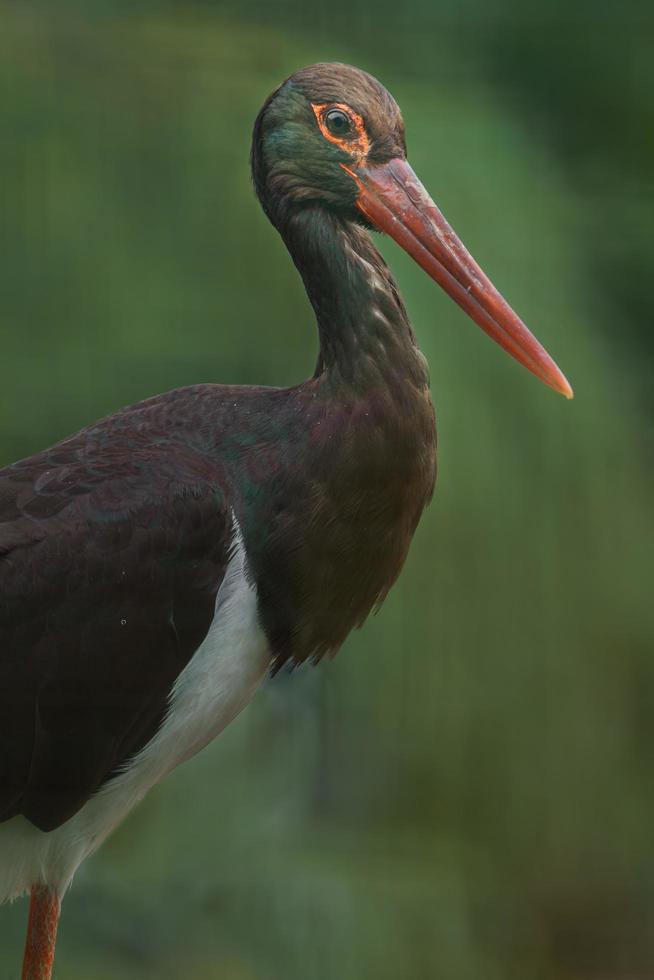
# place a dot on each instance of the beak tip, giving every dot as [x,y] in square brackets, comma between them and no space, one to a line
[566,390]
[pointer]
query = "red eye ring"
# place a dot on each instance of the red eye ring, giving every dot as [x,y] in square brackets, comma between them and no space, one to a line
[355,142]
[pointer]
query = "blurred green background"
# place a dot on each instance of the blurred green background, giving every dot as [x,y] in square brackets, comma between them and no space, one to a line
[467,791]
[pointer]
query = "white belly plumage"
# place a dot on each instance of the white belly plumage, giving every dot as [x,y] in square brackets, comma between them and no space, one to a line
[215,685]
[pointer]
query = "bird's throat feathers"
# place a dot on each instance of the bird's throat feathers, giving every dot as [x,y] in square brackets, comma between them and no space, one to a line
[365,334]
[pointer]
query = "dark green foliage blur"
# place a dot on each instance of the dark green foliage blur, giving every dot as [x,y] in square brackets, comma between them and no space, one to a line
[467,791]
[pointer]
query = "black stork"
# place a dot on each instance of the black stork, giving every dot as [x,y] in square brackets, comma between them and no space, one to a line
[157,564]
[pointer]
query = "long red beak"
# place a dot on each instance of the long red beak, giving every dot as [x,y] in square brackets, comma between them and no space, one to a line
[394,201]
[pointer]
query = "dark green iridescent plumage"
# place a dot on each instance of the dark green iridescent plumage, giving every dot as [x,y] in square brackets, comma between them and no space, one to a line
[354,488]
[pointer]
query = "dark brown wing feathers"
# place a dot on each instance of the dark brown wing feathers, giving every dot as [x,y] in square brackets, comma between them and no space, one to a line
[109,567]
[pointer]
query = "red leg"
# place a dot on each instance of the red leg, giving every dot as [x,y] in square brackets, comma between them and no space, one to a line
[41,934]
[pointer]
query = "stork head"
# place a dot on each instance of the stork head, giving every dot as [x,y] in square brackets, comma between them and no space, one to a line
[332,137]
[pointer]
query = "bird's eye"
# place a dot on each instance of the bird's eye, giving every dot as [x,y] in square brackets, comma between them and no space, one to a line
[338,122]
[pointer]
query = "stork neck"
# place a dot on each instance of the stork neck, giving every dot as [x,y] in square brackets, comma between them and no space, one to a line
[365,334]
